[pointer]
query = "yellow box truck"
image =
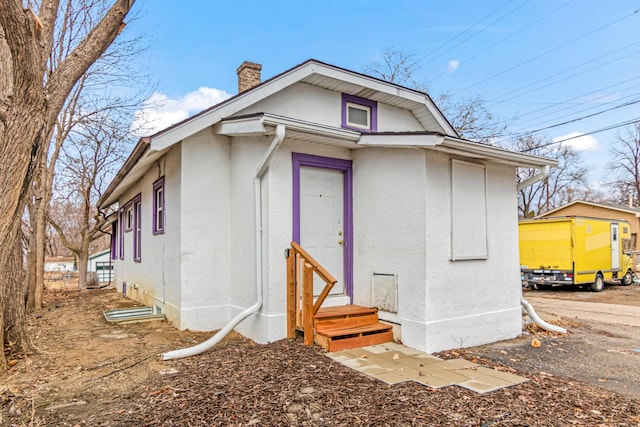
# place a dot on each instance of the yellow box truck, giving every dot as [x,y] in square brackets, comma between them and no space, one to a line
[575,251]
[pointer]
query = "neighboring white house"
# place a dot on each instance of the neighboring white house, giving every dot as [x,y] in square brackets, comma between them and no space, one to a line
[368,176]
[61,264]
[102,265]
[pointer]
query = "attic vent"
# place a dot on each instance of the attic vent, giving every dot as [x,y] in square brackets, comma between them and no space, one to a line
[384,292]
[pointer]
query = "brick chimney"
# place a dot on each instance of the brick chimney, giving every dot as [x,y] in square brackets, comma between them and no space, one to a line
[248,75]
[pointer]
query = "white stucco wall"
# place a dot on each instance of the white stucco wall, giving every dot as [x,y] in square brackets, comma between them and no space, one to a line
[389,231]
[471,302]
[155,281]
[402,225]
[206,232]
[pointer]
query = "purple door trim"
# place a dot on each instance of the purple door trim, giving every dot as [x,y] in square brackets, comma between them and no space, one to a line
[346,168]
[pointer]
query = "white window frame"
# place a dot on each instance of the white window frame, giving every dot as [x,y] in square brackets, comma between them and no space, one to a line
[365,108]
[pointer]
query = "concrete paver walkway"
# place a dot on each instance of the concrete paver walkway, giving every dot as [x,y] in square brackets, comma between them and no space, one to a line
[395,363]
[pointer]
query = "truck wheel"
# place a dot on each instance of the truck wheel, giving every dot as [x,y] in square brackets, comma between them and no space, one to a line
[598,285]
[627,279]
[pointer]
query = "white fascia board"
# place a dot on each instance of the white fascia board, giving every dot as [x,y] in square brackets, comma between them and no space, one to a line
[265,123]
[401,140]
[312,128]
[237,127]
[137,171]
[498,154]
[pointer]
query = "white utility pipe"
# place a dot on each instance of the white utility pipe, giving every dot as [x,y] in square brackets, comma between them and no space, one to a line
[539,177]
[206,345]
[538,320]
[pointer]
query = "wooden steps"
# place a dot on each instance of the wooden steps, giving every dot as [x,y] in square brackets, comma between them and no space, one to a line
[349,326]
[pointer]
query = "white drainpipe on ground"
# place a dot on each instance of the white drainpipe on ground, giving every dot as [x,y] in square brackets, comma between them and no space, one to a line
[206,345]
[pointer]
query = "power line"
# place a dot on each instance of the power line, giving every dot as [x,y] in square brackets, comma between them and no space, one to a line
[582,96]
[559,141]
[504,39]
[549,51]
[569,69]
[466,31]
[626,104]
[579,111]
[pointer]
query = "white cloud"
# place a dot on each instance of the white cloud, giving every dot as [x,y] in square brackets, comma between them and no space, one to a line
[579,141]
[452,65]
[160,111]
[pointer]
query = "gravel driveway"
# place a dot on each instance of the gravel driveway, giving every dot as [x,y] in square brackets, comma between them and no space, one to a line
[602,348]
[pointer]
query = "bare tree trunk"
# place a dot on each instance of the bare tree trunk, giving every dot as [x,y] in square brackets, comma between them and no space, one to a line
[12,312]
[83,259]
[30,100]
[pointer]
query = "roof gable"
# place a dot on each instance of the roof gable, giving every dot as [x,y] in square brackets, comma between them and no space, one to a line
[319,74]
[619,208]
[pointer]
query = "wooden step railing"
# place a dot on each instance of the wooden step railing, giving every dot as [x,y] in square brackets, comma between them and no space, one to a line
[301,268]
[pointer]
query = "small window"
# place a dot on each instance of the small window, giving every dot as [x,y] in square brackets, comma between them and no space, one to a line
[358,116]
[359,113]
[121,234]
[128,209]
[158,206]
[114,239]
[137,226]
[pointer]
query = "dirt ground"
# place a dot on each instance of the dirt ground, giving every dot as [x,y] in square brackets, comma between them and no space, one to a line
[90,372]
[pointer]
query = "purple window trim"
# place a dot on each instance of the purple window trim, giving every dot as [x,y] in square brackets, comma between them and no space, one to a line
[122,214]
[114,240]
[137,228]
[336,164]
[156,185]
[373,106]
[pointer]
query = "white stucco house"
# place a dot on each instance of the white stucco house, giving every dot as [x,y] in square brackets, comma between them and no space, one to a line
[60,264]
[368,176]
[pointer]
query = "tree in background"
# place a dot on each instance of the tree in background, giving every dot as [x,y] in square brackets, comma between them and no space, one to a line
[566,182]
[625,166]
[31,97]
[90,158]
[113,69]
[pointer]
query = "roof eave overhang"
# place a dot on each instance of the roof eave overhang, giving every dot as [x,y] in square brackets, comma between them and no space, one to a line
[493,154]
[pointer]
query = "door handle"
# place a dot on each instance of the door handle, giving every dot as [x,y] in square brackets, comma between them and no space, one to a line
[340,242]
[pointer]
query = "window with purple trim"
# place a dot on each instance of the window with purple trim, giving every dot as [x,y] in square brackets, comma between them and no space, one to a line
[359,113]
[128,216]
[114,239]
[158,206]
[121,234]
[137,228]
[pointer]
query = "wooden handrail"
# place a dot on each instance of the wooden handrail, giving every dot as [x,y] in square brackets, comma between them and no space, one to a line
[324,274]
[300,307]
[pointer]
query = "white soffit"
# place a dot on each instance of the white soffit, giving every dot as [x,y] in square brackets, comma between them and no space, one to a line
[417,140]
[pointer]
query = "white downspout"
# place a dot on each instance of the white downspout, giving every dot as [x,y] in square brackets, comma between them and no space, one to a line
[538,177]
[525,304]
[538,320]
[206,345]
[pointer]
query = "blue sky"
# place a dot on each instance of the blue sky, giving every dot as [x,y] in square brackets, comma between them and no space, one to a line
[535,63]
